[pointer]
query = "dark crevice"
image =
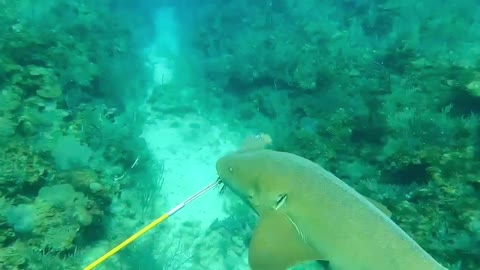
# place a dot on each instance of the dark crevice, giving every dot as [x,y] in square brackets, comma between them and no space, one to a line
[412,173]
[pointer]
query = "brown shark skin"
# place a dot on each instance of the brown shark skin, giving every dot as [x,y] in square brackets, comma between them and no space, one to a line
[340,224]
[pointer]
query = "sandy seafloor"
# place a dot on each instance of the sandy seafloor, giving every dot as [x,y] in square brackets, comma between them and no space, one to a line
[188,167]
[188,146]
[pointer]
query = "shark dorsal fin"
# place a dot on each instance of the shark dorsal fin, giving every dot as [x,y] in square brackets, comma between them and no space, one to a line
[276,244]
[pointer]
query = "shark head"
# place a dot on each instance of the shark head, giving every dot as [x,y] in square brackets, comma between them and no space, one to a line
[245,174]
[249,175]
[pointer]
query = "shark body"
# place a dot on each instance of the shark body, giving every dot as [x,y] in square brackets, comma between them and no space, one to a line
[307,213]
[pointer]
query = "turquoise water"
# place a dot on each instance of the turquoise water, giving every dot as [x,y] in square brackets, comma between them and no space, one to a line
[113,112]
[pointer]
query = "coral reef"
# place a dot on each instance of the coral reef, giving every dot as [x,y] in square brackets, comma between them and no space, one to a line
[57,177]
[386,100]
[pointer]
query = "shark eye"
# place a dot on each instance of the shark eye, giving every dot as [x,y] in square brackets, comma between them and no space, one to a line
[282,198]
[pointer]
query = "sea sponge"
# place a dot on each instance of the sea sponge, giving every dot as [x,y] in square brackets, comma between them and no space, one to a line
[69,153]
[21,217]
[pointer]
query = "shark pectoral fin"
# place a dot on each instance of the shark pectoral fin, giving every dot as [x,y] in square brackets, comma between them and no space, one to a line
[380,206]
[277,244]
